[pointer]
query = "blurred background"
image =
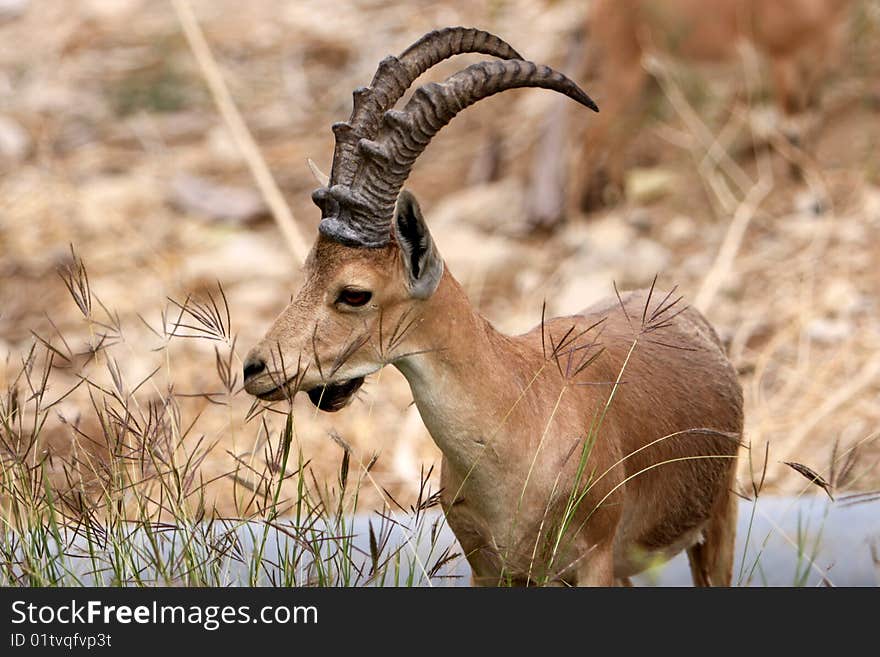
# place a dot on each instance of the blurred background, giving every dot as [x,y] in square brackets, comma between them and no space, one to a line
[736,156]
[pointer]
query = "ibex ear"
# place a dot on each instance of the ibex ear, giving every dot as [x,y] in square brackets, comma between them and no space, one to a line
[421,261]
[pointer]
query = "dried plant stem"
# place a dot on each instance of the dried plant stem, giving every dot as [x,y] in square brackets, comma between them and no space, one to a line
[730,246]
[238,129]
[716,156]
[864,378]
[707,147]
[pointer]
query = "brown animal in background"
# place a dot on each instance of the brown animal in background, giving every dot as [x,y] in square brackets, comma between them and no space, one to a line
[576,453]
[796,37]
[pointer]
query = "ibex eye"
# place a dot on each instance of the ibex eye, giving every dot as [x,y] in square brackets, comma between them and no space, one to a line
[354,297]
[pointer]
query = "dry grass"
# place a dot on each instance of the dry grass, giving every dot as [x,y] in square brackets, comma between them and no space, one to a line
[116,115]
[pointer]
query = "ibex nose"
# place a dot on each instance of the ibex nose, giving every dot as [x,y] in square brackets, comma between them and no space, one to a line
[253,366]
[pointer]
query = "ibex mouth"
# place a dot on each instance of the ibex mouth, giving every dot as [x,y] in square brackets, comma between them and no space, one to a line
[335,397]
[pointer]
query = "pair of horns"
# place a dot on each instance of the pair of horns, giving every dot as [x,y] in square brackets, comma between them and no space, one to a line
[378,146]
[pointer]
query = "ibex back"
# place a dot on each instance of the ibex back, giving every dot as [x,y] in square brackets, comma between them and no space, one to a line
[577,453]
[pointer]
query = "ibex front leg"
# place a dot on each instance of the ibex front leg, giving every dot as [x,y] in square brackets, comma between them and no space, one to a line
[597,568]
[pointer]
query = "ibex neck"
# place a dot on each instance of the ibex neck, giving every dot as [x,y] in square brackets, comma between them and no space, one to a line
[459,380]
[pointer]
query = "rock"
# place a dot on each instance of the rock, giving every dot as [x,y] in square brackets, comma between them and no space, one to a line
[472,230]
[471,254]
[793,226]
[829,331]
[117,201]
[642,261]
[810,203]
[15,143]
[221,146]
[697,265]
[260,295]
[110,9]
[225,203]
[645,186]
[240,257]
[611,243]
[852,230]
[764,122]
[640,219]
[841,298]
[73,134]
[608,235]
[527,280]
[494,208]
[679,229]
[579,289]
[607,256]
[575,235]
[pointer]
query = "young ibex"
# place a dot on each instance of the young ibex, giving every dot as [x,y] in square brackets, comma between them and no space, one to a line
[577,453]
[797,38]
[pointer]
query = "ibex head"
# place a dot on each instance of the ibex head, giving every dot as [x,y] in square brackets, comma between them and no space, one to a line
[374,268]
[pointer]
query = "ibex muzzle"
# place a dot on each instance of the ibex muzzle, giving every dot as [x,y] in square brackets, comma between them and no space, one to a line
[578,452]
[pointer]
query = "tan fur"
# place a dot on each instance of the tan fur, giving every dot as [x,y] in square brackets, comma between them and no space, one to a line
[511,420]
[711,561]
[798,38]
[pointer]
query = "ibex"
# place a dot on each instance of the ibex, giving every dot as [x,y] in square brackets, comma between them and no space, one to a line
[577,453]
[797,38]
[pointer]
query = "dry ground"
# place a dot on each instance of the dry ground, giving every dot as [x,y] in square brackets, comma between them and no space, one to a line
[109,141]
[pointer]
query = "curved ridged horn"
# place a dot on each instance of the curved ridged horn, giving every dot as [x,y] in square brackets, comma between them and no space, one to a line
[360,213]
[393,77]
